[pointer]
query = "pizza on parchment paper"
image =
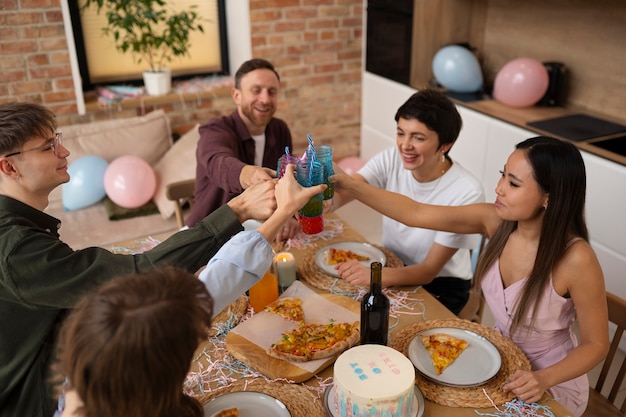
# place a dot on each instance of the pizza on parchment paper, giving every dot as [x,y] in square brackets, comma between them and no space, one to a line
[443,349]
[315,341]
[289,308]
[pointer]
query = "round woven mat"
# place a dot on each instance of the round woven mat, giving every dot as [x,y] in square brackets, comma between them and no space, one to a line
[311,274]
[512,360]
[300,401]
[229,317]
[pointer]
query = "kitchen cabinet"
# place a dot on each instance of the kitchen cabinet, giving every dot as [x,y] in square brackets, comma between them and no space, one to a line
[378,127]
[501,140]
[483,147]
[605,211]
[470,147]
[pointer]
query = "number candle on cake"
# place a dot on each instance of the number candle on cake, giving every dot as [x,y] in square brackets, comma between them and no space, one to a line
[375,310]
[374,380]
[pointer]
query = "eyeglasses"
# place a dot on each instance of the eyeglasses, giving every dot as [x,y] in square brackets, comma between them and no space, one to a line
[52,143]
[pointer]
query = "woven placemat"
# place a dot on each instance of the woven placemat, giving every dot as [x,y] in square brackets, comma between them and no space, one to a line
[300,401]
[512,360]
[312,275]
[229,317]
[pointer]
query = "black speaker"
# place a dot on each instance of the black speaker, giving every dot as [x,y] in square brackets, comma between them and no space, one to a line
[556,76]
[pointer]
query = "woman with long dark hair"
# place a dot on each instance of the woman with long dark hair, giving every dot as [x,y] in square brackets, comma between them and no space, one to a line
[538,272]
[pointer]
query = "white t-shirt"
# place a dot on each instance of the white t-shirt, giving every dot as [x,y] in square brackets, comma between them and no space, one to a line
[259,149]
[411,244]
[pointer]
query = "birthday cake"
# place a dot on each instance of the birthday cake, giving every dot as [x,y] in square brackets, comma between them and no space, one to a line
[373,380]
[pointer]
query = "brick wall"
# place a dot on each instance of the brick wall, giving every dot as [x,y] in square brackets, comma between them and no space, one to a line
[316,46]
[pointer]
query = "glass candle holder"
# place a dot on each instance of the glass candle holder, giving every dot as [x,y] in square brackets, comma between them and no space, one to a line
[285,269]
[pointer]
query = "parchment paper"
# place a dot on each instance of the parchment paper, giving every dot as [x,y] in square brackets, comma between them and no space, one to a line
[266,328]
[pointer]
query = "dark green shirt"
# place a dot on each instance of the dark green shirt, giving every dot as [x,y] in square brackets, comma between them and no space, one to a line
[41,278]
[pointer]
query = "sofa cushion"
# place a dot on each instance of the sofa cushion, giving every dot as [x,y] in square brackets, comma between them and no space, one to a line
[179,163]
[148,137]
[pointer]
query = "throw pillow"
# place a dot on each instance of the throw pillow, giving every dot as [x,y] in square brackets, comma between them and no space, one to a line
[178,164]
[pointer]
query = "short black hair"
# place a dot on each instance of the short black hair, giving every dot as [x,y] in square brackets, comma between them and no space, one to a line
[436,111]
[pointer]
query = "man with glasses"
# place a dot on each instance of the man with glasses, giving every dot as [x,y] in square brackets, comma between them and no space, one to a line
[41,277]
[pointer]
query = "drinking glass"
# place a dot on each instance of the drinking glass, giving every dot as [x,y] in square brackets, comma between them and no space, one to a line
[265,291]
[324,154]
[283,161]
[310,173]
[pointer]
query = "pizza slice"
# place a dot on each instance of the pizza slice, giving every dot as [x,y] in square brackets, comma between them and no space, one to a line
[336,256]
[289,308]
[443,349]
[229,412]
[315,341]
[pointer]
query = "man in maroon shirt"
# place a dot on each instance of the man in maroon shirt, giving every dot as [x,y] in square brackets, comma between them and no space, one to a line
[242,149]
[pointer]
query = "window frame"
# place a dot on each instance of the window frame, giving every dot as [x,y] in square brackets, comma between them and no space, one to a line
[81,56]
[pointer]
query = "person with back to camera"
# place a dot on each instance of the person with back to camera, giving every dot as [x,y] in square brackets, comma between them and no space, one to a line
[538,272]
[241,149]
[143,328]
[135,330]
[419,167]
[41,277]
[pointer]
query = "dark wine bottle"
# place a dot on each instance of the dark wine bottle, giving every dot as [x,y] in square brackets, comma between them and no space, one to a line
[375,310]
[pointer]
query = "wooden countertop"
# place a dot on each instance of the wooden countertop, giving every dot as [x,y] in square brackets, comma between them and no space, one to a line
[520,117]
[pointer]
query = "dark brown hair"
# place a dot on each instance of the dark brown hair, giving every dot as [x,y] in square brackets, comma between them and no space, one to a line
[20,122]
[559,170]
[127,348]
[252,65]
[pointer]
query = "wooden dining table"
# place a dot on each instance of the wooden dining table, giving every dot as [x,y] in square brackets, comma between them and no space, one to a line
[214,371]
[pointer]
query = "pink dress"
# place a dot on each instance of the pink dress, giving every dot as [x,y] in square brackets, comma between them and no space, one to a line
[548,341]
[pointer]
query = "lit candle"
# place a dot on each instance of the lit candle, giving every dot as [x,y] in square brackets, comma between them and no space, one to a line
[285,269]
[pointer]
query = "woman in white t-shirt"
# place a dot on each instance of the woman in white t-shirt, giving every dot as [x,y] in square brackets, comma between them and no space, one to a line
[419,167]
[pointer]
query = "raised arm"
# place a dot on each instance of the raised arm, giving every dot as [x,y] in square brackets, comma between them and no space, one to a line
[473,218]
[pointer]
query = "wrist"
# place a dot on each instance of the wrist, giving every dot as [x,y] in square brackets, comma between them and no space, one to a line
[239,208]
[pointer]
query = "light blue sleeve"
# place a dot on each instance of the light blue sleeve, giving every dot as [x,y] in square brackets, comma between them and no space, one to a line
[237,266]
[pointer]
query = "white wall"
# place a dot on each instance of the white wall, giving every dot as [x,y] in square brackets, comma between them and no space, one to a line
[239,35]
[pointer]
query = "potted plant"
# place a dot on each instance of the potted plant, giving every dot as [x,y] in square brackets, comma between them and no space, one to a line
[151,32]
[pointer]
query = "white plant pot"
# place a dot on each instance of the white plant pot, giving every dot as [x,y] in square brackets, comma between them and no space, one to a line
[158,83]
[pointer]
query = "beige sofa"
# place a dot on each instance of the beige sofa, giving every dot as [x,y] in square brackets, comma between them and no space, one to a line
[148,137]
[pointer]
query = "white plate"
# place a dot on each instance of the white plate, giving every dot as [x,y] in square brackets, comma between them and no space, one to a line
[249,404]
[478,363]
[331,411]
[361,248]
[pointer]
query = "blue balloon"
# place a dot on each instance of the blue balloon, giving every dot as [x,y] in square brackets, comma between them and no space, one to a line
[86,185]
[457,69]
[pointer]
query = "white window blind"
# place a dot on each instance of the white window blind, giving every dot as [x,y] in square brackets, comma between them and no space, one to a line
[107,65]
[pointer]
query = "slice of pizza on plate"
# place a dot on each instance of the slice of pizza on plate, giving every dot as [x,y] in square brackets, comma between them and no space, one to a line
[315,341]
[443,349]
[336,256]
[229,412]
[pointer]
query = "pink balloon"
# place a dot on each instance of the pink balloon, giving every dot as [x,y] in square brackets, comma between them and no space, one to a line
[351,164]
[521,82]
[129,181]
